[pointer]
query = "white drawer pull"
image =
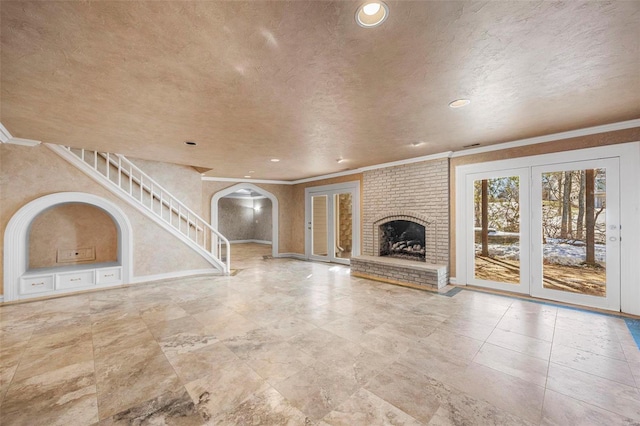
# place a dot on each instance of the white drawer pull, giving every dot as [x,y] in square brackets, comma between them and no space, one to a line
[108,275]
[75,279]
[33,284]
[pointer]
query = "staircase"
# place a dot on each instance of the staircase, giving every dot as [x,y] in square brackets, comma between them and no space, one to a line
[127,181]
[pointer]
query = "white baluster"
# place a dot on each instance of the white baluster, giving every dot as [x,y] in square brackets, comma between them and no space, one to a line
[119,172]
[108,165]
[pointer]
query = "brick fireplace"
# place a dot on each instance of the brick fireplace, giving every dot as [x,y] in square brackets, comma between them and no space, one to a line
[400,203]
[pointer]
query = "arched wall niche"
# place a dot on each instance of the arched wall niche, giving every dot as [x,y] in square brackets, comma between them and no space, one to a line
[16,237]
[274,210]
[72,226]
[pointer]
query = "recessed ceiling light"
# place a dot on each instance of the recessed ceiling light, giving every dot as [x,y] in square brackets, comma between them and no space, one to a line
[251,171]
[417,144]
[459,103]
[371,8]
[340,160]
[247,176]
[190,143]
[372,14]
[275,160]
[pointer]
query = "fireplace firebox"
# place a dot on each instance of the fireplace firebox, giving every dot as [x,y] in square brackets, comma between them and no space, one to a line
[403,239]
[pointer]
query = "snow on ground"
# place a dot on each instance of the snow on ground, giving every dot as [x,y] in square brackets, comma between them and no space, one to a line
[554,252]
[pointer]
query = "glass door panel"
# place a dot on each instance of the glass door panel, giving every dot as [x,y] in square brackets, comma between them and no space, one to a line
[497,229]
[332,222]
[577,241]
[319,225]
[499,211]
[343,223]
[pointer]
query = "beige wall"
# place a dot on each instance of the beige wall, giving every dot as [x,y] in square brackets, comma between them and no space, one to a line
[183,182]
[235,218]
[245,219]
[69,227]
[29,173]
[262,222]
[602,139]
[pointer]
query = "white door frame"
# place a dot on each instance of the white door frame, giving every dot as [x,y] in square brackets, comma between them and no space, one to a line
[629,157]
[353,188]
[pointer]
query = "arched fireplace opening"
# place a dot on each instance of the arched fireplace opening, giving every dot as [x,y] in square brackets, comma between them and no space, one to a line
[402,239]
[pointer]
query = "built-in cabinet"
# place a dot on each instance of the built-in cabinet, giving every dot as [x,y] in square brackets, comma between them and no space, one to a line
[47,281]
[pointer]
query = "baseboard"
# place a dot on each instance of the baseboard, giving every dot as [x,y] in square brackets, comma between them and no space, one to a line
[177,274]
[1,299]
[452,280]
[293,256]
[250,241]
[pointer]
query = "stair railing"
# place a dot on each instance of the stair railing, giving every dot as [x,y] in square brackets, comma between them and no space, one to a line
[146,192]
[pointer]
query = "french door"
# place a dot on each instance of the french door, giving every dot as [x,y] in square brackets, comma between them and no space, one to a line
[551,231]
[576,230]
[332,216]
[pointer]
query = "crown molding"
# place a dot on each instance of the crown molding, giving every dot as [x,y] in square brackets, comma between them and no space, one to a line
[622,125]
[329,176]
[223,179]
[438,156]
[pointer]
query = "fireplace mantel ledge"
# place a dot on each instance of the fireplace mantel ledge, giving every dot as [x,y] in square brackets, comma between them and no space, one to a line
[403,272]
[412,264]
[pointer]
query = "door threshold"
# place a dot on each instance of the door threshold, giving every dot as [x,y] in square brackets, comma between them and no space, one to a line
[547,301]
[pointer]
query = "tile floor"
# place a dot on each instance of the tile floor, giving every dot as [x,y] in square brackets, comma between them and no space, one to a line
[299,343]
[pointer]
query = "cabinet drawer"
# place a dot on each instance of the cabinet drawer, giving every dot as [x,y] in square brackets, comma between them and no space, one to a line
[108,276]
[30,285]
[75,279]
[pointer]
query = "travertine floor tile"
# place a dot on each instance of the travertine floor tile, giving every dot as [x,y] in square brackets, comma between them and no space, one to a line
[171,409]
[520,343]
[511,394]
[461,409]
[304,343]
[527,368]
[264,408]
[129,376]
[365,408]
[225,388]
[598,365]
[317,389]
[594,390]
[60,397]
[563,410]
[411,391]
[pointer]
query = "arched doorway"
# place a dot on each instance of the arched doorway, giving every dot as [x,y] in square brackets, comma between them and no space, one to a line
[16,237]
[247,186]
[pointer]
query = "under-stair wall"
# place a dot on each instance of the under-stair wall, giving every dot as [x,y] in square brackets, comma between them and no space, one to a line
[27,173]
[130,183]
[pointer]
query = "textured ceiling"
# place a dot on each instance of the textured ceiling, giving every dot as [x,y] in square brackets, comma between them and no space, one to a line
[300,81]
